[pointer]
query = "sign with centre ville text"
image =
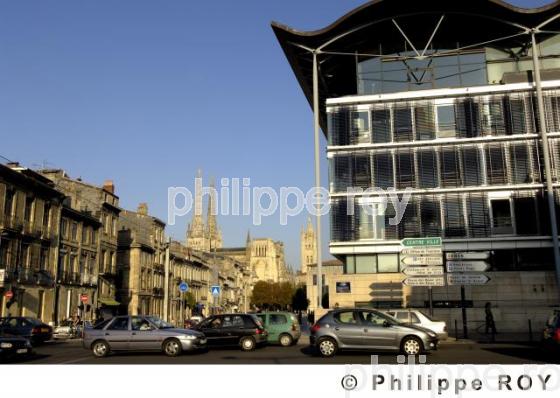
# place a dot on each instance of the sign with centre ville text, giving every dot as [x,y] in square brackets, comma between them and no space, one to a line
[417,242]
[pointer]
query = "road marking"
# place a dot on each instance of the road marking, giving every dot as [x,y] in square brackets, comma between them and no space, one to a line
[74,360]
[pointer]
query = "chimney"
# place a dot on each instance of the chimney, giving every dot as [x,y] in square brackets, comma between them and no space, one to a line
[108,186]
[143,209]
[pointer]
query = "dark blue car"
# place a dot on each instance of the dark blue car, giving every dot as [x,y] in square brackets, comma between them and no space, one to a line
[30,328]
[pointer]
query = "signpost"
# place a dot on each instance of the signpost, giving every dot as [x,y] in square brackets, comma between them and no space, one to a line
[468,256]
[215,290]
[467,266]
[467,279]
[427,281]
[423,271]
[423,258]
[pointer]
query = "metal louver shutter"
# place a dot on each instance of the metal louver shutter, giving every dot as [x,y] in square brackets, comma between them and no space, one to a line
[450,168]
[425,123]
[430,217]
[406,177]
[341,172]
[477,216]
[383,170]
[427,169]
[520,164]
[381,125]
[454,224]
[402,124]
[362,171]
[472,175]
[339,128]
[467,118]
[496,165]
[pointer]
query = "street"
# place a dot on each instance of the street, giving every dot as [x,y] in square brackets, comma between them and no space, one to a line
[462,352]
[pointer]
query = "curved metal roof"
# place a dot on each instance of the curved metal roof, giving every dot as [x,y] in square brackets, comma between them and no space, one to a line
[391,22]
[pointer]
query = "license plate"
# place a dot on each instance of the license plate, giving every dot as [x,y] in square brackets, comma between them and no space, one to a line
[203,341]
[22,351]
[44,330]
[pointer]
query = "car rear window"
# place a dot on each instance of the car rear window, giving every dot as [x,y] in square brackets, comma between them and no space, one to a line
[278,319]
[346,317]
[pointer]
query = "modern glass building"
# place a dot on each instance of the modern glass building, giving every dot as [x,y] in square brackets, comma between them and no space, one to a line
[439,100]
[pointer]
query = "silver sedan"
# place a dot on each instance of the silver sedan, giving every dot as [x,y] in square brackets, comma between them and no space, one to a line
[141,333]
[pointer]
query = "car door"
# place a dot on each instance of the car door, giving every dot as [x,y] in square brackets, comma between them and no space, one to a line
[348,328]
[379,331]
[118,334]
[144,335]
[233,328]
[278,324]
[212,328]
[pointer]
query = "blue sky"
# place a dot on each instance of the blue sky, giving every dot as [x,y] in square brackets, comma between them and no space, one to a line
[146,92]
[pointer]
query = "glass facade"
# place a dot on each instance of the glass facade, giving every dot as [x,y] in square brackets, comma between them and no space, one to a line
[473,165]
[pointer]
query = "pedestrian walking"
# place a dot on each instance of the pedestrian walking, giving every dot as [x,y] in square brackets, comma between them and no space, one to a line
[490,324]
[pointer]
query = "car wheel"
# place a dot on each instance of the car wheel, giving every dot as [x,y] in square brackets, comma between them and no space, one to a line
[412,345]
[172,347]
[100,349]
[286,340]
[327,347]
[247,343]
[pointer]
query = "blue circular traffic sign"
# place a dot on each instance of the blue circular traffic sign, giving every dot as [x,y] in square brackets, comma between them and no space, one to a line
[183,287]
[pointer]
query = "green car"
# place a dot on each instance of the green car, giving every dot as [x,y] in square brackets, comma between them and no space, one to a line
[282,327]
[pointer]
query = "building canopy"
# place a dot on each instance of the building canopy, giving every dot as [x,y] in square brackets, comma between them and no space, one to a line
[412,33]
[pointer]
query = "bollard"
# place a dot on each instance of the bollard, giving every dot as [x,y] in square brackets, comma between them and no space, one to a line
[530,330]
[456,331]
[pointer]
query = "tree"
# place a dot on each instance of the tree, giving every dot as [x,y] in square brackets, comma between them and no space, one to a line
[269,295]
[190,301]
[299,299]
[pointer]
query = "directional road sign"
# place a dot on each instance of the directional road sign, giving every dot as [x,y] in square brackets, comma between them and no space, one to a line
[468,256]
[425,281]
[215,290]
[467,279]
[422,260]
[412,242]
[183,287]
[421,251]
[467,266]
[423,271]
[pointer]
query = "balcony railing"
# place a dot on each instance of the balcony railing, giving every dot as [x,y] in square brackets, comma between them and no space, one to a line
[13,223]
[157,291]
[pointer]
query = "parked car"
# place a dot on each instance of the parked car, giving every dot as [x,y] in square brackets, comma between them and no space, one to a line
[31,328]
[14,347]
[243,330]
[368,329]
[67,329]
[419,318]
[282,327]
[551,333]
[141,333]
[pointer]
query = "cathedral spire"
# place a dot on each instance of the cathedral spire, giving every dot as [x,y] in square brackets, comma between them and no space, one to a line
[248,240]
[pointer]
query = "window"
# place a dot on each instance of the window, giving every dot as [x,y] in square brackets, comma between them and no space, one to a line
[383,170]
[471,167]
[346,318]
[427,169]
[140,324]
[381,125]
[430,217]
[405,170]
[450,175]
[366,264]
[350,265]
[387,263]
[64,228]
[501,217]
[520,162]
[74,232]
[360,127]
[119,324]
[425,123]
[526,216]
[454,221]
[371,216]
[8,202]
[446,125]
[372,318]
[278,319]
[496,165]
[362,171]
[46,217]
[28,209]
[403,124]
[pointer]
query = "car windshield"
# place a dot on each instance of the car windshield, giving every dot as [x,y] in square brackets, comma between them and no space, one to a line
[33,321]
[160,324]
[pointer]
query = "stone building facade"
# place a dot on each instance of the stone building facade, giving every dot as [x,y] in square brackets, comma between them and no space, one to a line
[103,204]
[30,210]
[308,247]
[140,262]
[78,271]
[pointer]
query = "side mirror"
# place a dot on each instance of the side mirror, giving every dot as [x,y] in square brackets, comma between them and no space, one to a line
[386,324]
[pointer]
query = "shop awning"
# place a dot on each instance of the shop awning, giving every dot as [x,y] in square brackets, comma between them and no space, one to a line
[109,302]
